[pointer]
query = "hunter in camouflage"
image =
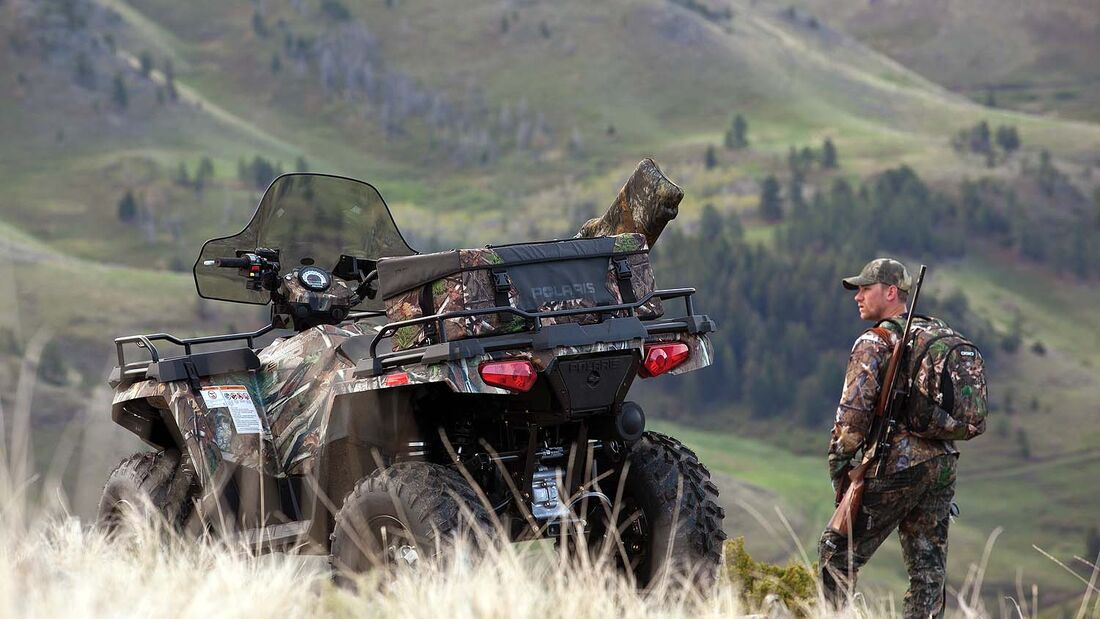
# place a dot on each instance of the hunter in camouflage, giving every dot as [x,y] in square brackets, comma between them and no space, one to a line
[915,490]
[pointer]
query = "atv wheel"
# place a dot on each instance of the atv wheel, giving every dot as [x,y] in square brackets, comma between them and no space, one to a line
[154,487]
[668,521]
[402,513]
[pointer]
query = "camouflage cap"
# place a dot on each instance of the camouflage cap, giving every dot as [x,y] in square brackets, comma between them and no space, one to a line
[881,271]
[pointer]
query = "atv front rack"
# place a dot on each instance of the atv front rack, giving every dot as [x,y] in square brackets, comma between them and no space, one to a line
[539,337]
[138,370]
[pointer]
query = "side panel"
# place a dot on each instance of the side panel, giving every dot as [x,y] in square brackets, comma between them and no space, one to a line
[210,434]
[296,379]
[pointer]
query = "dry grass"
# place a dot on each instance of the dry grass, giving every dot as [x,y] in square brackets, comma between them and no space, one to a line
[52,564]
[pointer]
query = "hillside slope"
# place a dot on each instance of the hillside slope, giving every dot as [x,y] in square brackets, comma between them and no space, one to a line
[1032,56]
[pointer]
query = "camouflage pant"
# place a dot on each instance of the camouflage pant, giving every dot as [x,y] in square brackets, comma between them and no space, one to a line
[917,501]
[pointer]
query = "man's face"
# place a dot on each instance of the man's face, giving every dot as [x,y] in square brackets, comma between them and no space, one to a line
[874,299]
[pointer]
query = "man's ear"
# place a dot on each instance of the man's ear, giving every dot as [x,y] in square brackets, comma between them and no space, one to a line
[891,293]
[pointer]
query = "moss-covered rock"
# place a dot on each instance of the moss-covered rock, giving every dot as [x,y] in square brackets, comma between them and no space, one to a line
[793,585]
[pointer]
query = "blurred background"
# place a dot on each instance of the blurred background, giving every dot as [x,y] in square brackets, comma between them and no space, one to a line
[809,136]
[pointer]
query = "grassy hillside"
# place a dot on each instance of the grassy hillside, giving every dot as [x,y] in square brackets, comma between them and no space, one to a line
[1038,57]
[469,124]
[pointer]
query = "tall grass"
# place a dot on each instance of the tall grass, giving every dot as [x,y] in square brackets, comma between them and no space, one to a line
[53,564]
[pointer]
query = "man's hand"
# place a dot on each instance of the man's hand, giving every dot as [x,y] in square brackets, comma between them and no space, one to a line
[841,482]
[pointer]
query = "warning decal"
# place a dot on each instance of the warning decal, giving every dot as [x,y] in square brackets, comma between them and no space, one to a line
[239,403]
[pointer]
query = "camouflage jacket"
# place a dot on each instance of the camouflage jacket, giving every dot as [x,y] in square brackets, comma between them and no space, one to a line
[862,383]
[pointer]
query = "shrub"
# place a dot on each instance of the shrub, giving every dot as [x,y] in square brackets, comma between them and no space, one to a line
[794,584]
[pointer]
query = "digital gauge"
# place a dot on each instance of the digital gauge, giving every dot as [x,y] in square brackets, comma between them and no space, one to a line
[314,279]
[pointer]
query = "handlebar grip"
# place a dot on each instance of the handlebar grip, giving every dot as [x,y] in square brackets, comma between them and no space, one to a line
[238,263]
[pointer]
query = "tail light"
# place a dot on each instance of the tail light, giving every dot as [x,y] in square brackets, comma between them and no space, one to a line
[662,357]
[511,375]
[396,380]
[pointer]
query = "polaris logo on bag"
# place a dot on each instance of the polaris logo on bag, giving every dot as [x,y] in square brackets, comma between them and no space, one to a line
[564,292]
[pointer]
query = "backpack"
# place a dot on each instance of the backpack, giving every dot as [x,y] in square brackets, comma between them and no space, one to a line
[946,383]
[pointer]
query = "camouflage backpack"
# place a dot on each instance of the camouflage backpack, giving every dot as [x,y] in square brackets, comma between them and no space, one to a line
[947,390]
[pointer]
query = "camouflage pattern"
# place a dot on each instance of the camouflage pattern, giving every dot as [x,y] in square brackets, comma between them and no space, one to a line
[645,204]
[862,383]
[338,294]
[924,411]
[209,434]
[472,289]
[296,378]
[916,501]
[881,271]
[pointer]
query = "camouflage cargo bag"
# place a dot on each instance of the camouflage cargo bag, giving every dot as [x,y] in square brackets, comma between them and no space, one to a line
[534,277]
[947,390]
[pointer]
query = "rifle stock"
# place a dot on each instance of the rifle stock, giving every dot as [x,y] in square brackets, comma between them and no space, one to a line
[843,520]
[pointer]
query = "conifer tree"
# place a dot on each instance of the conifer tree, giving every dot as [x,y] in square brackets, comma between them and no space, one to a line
[1092,544]
[146,64]
[737,134]
[119,96]
[829,155]
[127,207]
[1007,138]
[710,158]
[170,80]
[796,198]
[183,179]
[771,203]
[84,73]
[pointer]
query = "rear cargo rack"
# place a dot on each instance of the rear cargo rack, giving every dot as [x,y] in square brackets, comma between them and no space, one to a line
[689,323]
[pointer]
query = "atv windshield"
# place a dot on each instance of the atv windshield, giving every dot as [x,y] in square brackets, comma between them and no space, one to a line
[311,219]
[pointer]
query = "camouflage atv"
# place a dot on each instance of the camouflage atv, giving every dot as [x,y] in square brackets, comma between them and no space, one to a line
[409,397]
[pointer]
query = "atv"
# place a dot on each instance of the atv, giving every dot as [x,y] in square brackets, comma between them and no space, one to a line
[408,398]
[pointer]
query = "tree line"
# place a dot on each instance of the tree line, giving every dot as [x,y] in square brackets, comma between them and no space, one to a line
[786,325]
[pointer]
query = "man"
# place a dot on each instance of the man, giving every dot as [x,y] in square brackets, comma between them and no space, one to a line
[917,484]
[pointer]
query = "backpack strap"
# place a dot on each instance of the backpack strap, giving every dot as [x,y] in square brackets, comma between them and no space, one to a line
[882,332]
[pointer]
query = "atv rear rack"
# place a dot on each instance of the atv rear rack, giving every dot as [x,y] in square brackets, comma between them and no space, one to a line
[540,337]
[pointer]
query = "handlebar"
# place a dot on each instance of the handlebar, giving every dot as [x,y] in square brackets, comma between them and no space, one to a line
[229,263]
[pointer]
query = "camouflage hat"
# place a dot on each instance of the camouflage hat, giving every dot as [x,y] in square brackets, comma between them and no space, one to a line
[881,271]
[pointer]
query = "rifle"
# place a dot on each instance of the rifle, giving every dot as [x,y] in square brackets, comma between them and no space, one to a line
[882,428]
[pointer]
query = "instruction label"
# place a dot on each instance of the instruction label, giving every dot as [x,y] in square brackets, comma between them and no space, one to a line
[240,405]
